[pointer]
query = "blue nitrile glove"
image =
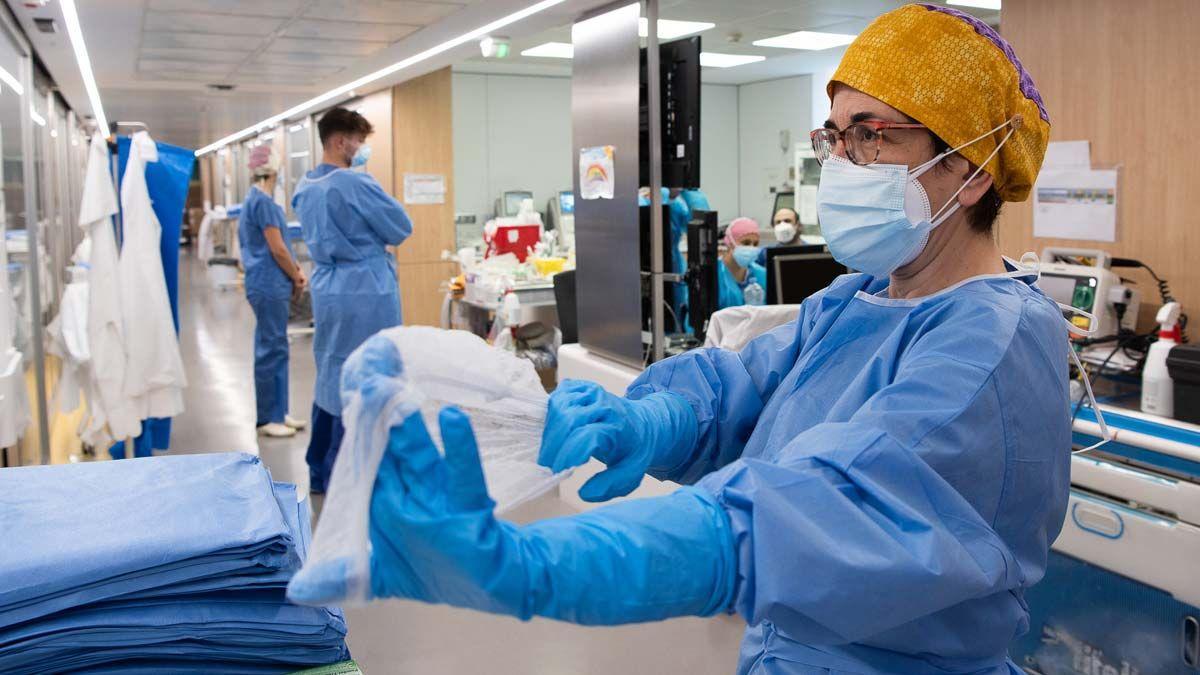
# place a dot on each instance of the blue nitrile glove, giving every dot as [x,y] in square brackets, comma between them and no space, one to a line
[434,538]
[656,433]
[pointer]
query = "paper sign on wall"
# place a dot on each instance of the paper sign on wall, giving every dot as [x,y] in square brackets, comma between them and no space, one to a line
[424,188]
[1068,155]
[596,172]
[1076,203]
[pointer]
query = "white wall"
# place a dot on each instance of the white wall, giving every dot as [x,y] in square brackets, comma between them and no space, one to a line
[765,110]
[510,133]
[719,148]
[514,132]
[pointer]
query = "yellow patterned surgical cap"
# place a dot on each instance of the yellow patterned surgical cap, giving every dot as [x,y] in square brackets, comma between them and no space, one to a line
[953,73]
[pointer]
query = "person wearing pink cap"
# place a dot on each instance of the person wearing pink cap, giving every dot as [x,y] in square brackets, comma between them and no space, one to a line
[272,277]
[739,271]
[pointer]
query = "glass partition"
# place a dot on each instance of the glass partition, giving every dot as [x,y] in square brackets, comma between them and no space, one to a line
[299,157]
[20,315]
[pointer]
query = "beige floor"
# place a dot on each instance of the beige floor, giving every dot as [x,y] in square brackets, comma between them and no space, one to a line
[398,636]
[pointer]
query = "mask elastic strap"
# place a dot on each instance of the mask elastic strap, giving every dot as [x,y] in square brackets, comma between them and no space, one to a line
[925,166]
[1105,434]
[1082,332]
[1016,124]
[1028,266]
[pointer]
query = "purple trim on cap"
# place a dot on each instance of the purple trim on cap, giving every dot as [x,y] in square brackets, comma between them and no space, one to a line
[1027,87]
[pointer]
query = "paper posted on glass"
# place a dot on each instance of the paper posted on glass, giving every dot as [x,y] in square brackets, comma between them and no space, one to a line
[424,188]
[596,172]
[1072,200]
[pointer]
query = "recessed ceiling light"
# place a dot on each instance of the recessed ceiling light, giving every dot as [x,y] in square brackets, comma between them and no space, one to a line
[669,29]
[805,39]
[551,50]
[715,60]
[369,78]
[979,4]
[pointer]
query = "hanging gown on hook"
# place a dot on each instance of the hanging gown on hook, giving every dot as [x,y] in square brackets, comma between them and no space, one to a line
[111,416]
[155,377]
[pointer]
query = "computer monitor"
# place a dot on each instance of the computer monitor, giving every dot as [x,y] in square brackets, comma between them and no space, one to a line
[513,199]
[679,89]
[796,272]
[566,202]
[703,291]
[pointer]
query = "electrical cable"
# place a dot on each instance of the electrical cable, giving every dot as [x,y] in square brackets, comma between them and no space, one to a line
[1164,290]
[1099,373]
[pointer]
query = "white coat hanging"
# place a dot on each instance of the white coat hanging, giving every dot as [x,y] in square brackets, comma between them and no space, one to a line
[155,377]
[112,415]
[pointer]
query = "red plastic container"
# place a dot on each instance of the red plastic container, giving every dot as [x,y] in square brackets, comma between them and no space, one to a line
[515,239]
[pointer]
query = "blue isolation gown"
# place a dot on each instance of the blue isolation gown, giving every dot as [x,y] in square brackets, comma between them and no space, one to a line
[348,220]
[894,471]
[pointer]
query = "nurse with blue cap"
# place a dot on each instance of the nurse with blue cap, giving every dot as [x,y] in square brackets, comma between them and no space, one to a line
[272,277]
[349,222]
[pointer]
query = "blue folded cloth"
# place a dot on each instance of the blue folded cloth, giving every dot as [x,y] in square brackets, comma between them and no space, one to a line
[164,564]
[80,533]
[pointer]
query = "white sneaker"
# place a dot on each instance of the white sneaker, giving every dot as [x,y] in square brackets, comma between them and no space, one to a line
[294,423]
[276,430]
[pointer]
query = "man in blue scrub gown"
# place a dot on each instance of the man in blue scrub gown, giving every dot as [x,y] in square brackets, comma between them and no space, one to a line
[349,221]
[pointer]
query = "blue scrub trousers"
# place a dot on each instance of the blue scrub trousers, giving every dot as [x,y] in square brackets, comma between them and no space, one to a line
[270,357]
[323,444]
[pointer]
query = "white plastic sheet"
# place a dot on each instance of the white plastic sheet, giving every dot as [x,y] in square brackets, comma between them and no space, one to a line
[400,371]
[734,327]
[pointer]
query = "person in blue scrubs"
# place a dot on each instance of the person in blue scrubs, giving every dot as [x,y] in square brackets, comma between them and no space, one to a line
[738,270]
[348,221]
[873,486]
[272,277]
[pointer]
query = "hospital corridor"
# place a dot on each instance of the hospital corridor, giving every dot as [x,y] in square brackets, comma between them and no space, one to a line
[599,337]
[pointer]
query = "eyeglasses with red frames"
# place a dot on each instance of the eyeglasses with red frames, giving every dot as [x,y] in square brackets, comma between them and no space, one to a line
[862,140]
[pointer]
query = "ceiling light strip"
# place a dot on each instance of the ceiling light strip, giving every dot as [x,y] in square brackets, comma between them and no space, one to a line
[11,81]
[85,64]
[382,73]
[37,119]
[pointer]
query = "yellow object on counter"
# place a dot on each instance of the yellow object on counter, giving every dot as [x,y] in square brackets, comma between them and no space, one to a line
[547,267]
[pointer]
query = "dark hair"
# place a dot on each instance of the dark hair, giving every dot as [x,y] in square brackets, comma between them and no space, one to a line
[787,208]
[342,121]
[982,216]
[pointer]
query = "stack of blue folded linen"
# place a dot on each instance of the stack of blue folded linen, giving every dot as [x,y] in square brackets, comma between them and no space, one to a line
[162,564]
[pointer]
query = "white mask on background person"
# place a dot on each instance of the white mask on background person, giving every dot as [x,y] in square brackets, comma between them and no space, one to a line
[785,231]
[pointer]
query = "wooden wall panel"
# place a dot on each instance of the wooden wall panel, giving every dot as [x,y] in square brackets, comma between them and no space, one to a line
[421,291]
[1124,78]
[423,143]
[377,108]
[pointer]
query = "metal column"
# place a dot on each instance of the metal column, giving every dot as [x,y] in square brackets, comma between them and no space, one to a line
[604,112]
[654,110]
